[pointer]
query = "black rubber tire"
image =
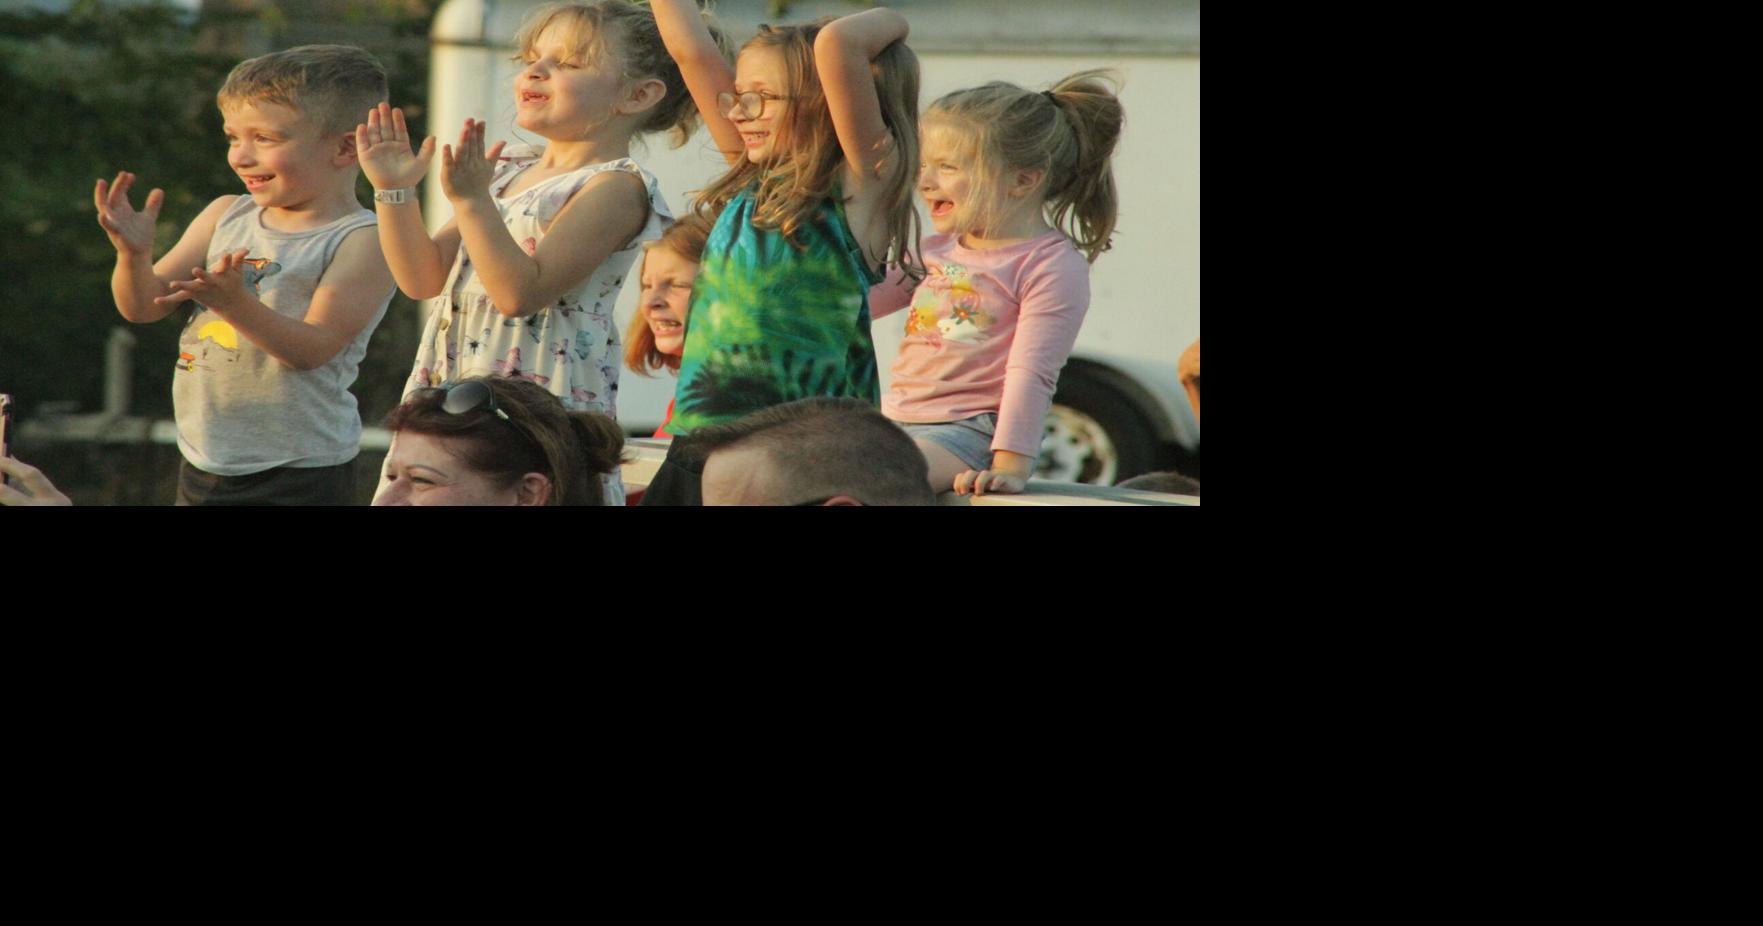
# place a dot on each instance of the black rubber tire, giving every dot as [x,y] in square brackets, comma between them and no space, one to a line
[1134,437]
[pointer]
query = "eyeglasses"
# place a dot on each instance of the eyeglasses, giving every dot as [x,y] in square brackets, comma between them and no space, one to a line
[752,102]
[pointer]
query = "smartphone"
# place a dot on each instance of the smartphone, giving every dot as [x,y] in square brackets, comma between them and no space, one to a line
[5,433]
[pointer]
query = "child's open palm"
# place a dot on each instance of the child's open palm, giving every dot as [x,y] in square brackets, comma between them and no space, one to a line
[383,146]
[467,175]
[131,232]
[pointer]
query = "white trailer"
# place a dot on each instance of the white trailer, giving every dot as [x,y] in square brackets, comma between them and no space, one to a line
[1119,402]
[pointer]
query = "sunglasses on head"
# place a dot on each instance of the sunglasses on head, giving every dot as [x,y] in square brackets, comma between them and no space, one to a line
[466,397]
[463,398]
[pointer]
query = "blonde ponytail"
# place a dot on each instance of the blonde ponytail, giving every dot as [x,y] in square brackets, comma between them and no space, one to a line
[1069,133]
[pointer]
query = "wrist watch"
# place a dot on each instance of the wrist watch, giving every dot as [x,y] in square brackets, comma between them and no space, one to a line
[394,196]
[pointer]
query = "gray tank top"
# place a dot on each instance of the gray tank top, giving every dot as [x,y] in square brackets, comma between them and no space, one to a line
[239,410]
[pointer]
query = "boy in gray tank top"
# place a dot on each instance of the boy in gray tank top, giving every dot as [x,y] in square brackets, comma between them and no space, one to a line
[281,287]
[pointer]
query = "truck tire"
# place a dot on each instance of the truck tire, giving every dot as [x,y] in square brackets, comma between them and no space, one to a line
[1096,432]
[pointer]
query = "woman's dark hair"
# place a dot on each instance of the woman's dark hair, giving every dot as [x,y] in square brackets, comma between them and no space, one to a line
[572,449]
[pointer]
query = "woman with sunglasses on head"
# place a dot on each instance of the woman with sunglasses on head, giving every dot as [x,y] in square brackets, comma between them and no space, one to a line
[496,441]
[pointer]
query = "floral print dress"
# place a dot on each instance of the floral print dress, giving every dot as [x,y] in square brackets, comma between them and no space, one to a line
[572,347]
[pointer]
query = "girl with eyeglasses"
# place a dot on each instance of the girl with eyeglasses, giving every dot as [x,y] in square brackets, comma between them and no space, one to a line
[496,441]
[819,126]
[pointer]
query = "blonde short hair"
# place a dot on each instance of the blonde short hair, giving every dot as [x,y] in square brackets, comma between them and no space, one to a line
[334,85]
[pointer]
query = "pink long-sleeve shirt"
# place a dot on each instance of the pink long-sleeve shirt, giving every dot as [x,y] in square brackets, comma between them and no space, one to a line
[987,331]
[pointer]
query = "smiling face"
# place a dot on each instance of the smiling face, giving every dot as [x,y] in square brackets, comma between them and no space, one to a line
[666,298]
[283,157]
[945,180]
[761,70]
[563,93]
[421,471]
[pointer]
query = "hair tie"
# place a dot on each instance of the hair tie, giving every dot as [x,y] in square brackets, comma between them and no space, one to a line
[1050,97]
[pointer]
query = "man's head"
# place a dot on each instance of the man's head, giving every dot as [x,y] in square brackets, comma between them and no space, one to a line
[813,451]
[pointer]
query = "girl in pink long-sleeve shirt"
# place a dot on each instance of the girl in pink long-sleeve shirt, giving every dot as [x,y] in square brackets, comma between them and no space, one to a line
[1021,193]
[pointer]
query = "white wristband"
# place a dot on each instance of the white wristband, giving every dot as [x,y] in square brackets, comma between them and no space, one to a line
[394,196]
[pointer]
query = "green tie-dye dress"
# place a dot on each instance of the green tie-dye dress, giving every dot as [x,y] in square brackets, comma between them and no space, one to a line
[771,323]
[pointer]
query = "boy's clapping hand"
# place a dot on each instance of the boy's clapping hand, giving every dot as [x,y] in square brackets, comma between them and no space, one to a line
[220,287]
[130,231]
[383,147]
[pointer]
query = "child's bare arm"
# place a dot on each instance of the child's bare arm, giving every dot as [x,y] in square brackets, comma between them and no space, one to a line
[601,218]
[891,294]
[419,263]
[137,281]
[347,297]
[706,71]
[1055,298]
[842,53]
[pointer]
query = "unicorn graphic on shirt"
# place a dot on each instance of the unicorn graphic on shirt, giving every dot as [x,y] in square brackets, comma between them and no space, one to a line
[962,330]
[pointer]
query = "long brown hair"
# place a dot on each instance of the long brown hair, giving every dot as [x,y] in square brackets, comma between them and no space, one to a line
[628,32]
[686,238]
[1068,132]
[572,449]
[793,186]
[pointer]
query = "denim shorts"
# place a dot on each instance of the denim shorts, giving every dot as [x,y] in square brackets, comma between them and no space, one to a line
[969,439]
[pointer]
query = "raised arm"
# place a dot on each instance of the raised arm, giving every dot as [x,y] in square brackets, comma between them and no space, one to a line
[600,219]
[419,263]
[137,281]
[706,71]
[842,53]
[348,296]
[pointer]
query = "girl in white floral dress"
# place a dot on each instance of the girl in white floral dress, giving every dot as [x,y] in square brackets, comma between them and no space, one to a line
[542,239]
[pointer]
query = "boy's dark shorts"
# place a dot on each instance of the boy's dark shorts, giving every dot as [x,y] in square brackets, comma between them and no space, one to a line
[284,485]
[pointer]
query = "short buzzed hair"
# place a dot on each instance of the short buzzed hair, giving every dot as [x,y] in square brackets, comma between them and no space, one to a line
[821,448]
[334,85]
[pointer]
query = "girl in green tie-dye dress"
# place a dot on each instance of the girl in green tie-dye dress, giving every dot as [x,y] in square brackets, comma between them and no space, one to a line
[771,324]
[819,123]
